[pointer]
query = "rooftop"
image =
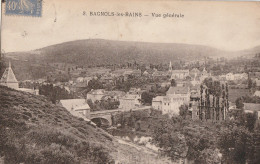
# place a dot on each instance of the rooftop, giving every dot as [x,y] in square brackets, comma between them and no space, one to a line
[158,98]
[8,76]
[257,93]
[178,90]
[97,92]
[252,106]
[180,71]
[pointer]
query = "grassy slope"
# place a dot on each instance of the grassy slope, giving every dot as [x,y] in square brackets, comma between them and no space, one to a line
[32,130]
[35,131]
[236,93]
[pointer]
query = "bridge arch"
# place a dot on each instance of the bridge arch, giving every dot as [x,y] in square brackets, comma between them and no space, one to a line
[101,121]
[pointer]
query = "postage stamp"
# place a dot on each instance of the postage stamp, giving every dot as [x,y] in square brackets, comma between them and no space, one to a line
[24,7]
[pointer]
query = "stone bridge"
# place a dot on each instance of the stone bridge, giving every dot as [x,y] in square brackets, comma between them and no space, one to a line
[104,117]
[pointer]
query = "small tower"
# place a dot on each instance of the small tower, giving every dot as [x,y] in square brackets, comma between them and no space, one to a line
[8,79]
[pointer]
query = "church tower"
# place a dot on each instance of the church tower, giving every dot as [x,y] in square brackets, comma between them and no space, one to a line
[8,79]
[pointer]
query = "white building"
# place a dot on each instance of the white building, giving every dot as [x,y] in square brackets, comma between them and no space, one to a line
[157,102]
[257,93]
[175,97]
[179,74]
[77,107]
[240,76]
[230,77]
[130,101]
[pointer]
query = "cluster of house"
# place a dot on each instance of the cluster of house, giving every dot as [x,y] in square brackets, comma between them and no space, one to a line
[106,77]
[102,94]
[186,89]
[234,76]
[80,108]
[129,100]
[188,85]
[195,73]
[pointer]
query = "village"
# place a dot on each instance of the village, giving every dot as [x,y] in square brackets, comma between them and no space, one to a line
[166,88]
[149,82]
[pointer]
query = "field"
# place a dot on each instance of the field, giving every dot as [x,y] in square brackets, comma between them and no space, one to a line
[236,93]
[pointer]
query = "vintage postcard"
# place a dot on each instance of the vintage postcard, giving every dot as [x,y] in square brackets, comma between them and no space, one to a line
[130,82]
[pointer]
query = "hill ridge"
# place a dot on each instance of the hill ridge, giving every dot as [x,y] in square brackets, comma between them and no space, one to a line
[101,51]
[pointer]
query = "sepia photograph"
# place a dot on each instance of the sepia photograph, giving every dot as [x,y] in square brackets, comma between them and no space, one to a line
[129,82]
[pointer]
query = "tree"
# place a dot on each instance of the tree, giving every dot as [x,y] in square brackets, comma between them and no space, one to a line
[209,83]
[131,120]
[209,156]
[201,101]
[169,139]
[250,83]
[183,111]
[147,98]
[253,149]
[95,84]
[54,93]
[90,103]
[254,87]
[173,83]
[207,104]
[239,103]
[234,143]
[251,120]
[227,103]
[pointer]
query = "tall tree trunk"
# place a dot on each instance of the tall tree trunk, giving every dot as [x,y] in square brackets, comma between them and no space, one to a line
[217,108]
[213,109]
[201,102]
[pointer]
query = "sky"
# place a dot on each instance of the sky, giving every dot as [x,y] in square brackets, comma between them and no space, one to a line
[230,26]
